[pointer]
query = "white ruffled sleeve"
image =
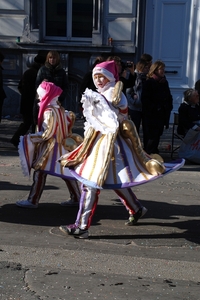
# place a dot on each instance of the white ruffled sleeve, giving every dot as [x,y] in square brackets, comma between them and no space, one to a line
[98,113]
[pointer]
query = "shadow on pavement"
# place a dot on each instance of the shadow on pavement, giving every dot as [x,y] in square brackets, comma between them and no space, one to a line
[160,216]
[6,185]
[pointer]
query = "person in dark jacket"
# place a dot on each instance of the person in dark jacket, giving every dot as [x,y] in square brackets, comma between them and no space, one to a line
[128,74]
[147,58]
[133,94]
[189,112]
[2,92]
[27,90]
[157,104]
[53,71]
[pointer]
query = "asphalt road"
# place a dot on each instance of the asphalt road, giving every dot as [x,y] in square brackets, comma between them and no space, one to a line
[159,258]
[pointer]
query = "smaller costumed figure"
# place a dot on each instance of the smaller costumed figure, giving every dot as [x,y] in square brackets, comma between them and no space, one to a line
[42,149]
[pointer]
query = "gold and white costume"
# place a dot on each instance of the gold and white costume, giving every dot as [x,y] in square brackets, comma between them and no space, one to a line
[111,155]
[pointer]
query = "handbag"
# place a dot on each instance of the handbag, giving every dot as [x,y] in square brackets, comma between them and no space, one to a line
[190,146]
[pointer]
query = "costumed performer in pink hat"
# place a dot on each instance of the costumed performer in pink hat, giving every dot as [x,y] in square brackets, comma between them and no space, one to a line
[42,149]
[111,155]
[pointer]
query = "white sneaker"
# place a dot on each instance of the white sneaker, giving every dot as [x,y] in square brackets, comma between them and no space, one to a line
[75,231]
[26,204]
[69,202]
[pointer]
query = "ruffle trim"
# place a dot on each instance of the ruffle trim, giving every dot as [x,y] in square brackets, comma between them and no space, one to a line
[98,113]
[26,151]
[170,167]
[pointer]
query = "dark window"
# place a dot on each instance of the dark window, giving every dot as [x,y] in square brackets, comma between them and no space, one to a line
[56,17]
[82,14]
[35,13]
[69,18]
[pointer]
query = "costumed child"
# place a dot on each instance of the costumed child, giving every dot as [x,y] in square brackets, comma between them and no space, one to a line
[42,149]
[111,155]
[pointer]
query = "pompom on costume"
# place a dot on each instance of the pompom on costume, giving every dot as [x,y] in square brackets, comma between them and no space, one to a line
[111,155]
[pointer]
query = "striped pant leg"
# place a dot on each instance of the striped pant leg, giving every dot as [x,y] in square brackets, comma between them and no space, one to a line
[39,180]
[129,199]
[74,189]
[87,206]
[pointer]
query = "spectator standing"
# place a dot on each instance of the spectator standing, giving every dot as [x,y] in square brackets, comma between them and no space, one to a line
[2,92]
[53,71]
[128,75]
[133,94]
[157,104]
[27,90]
[147,58]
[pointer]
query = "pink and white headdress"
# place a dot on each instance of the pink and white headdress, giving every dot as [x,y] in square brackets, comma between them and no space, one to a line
[47,91]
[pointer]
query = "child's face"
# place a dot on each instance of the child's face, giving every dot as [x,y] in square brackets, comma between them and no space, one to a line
[100,80]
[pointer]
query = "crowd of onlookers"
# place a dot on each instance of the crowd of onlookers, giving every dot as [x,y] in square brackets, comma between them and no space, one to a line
[149,98]
[146,88]
[148,94]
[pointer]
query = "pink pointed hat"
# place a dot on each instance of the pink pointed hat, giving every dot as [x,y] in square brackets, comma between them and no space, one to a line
[49,92]
[108,69]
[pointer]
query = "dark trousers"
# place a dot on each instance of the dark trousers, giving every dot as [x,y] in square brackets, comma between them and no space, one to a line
[23,129]
[137,118]
[154,129]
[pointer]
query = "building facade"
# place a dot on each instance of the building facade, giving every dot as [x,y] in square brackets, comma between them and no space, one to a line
[81,30]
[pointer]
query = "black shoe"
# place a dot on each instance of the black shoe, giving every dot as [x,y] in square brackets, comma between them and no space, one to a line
[133,219]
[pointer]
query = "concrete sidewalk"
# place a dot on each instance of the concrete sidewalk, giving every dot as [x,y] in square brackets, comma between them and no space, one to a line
[159,258]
